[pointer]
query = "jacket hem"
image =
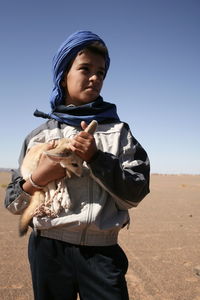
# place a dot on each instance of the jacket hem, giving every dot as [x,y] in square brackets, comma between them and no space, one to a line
[89,239]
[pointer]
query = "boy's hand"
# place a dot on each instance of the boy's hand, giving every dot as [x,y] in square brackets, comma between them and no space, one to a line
[46,172]
[84,144]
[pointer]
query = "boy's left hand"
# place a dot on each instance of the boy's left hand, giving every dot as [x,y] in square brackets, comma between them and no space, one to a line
[83,144]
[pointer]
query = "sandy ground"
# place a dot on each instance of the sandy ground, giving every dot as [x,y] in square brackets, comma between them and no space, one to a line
[162,244]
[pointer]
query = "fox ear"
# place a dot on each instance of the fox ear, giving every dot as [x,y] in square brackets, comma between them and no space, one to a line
[57,157]
[54,158]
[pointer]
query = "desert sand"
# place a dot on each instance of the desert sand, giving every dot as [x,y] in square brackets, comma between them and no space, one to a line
[162,244]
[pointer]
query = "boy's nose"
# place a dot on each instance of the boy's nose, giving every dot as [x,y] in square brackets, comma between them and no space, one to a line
[94,77]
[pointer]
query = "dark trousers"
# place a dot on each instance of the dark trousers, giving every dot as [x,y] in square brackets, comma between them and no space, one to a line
[61,270]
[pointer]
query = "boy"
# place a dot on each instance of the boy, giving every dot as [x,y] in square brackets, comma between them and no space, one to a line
[77,252]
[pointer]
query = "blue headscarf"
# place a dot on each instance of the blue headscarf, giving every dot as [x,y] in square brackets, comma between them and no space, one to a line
[99,109]
[67,51]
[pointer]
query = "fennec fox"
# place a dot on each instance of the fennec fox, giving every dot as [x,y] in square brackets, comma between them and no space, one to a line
[51,199]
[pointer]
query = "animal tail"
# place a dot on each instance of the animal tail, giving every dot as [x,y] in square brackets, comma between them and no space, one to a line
[23,227]
[28,213]
[25,221]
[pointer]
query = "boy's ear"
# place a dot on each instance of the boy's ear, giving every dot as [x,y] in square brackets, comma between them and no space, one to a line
[63,83]
[64,80]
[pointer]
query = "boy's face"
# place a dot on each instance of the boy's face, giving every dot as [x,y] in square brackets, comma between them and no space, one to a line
[84,80]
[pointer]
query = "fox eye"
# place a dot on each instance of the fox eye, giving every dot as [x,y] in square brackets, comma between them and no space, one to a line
[66,154]
[75,165]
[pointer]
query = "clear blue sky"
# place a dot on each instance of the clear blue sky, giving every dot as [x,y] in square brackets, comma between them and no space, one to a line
[154,77]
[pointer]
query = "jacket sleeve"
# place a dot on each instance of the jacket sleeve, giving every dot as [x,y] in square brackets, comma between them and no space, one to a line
[126,176]
[16,200]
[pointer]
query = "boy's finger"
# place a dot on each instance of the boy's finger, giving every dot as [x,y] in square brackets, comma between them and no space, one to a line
[89,128]
[83,125]
[51,144]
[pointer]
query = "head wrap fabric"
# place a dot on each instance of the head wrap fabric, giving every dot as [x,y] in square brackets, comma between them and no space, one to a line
[99,110]
[67,51]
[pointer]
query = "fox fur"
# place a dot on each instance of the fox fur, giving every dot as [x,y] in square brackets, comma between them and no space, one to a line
[51,199]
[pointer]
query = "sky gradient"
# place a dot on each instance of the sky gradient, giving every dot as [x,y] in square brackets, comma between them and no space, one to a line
[154,77]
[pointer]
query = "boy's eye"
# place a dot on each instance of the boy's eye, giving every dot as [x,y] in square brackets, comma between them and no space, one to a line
[101,73]
[84,68]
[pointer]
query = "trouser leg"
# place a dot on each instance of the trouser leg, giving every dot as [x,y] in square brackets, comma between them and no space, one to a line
[52,273]
[60,270]
[102,272]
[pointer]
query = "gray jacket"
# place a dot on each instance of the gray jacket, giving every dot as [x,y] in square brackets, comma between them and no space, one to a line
[116,180]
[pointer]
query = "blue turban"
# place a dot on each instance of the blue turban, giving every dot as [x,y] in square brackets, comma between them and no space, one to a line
[67,51]
[97,110]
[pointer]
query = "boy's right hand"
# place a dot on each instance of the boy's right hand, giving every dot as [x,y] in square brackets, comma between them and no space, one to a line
[46,171]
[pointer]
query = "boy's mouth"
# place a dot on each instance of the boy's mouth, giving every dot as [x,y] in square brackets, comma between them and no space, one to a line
[92,88]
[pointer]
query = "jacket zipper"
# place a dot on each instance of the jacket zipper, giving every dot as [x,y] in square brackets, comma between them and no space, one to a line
[89,215]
